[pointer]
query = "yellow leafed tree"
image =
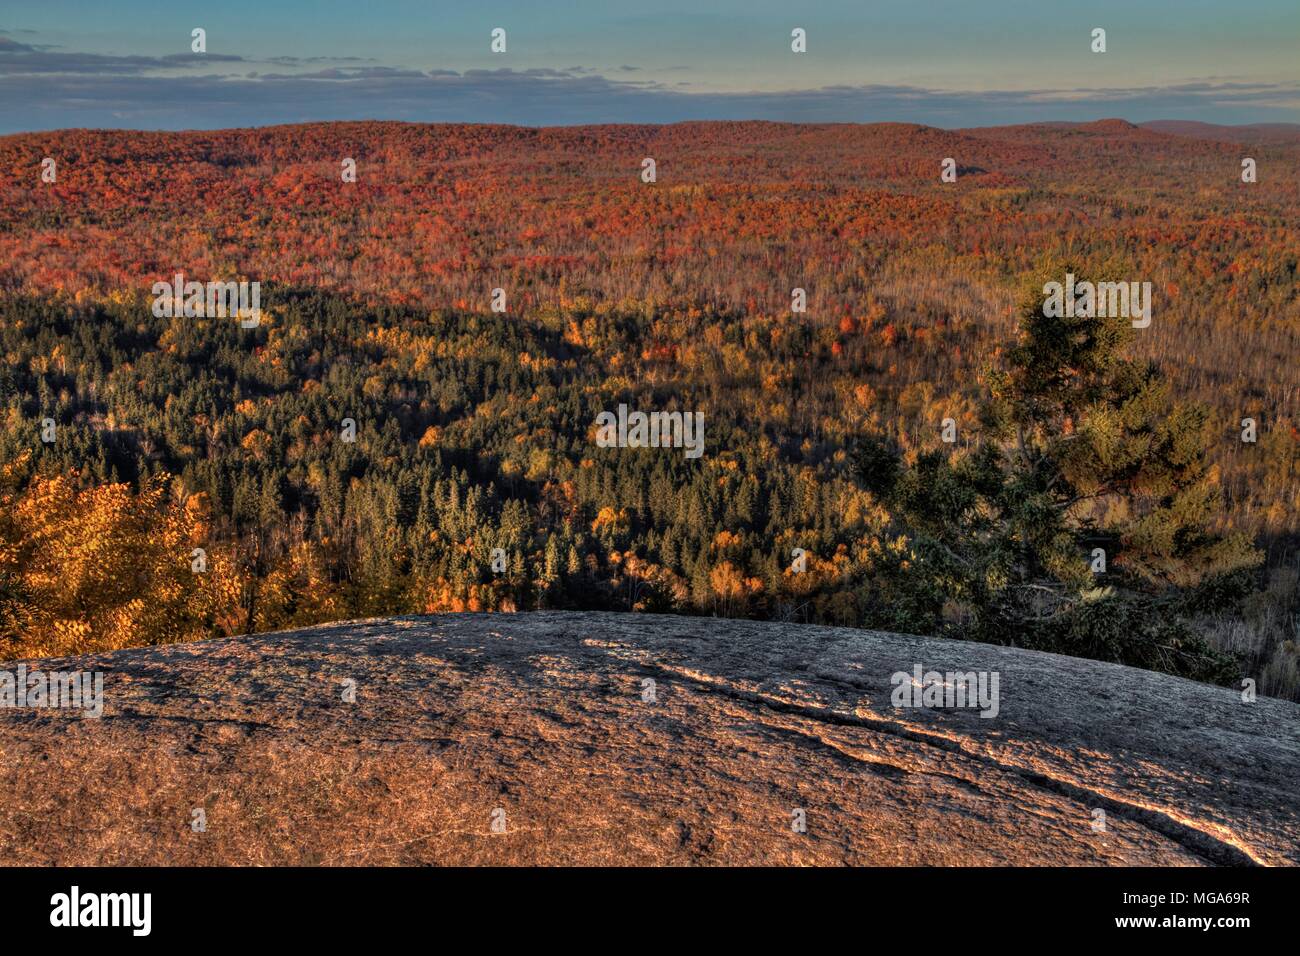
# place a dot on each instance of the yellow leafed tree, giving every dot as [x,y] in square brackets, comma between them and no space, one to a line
[102,568]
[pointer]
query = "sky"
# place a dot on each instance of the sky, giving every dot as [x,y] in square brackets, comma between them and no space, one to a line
[955,63]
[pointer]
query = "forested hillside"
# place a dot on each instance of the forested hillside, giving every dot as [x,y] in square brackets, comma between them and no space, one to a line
[474,429]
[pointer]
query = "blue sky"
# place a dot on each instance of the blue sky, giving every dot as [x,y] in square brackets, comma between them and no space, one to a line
[953,63]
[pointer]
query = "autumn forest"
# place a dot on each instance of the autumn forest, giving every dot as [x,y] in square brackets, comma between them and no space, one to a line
[388,427]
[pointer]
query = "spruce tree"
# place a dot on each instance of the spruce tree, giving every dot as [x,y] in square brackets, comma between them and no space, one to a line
[1083,460]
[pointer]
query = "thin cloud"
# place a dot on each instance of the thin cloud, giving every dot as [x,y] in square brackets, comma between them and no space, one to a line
[44,89]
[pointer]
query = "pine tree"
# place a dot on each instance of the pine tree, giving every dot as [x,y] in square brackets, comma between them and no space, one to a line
[1082,454]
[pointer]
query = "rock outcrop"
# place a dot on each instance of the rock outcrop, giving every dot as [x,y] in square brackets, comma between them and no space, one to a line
[581,738]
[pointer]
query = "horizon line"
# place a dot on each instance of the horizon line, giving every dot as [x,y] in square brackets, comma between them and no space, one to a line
[1138,124]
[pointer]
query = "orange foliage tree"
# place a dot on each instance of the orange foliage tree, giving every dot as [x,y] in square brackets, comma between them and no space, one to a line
[102,568]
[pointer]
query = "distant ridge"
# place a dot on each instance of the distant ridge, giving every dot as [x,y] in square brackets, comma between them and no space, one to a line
[1253,133]
[1109,125]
